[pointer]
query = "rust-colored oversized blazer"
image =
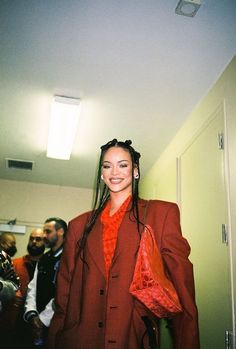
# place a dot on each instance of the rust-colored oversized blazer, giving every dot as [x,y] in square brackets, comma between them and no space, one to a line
[92,315]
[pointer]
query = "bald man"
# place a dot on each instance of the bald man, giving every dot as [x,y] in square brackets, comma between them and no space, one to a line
[25,265]
[8,243]
[9,281]
[9,285]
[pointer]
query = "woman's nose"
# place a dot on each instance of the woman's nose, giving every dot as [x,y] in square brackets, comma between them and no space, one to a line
[114,170]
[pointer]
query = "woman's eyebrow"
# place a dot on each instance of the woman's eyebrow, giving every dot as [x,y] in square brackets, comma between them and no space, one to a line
[106,161]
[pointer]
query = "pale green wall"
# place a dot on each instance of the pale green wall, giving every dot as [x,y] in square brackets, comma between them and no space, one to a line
[160,181]
[32,203]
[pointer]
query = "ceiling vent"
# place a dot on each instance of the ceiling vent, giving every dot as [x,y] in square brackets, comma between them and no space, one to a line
[19,164]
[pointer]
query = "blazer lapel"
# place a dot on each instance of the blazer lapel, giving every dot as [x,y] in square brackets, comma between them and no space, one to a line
[95,246]
[127,237]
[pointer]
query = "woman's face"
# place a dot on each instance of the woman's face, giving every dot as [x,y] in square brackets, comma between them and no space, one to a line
[117,170]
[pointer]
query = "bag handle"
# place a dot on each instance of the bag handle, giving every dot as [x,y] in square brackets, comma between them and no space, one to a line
[152,341]
[150,328]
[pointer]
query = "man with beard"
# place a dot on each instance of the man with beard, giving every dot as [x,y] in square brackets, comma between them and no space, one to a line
[41,289]
[24,266]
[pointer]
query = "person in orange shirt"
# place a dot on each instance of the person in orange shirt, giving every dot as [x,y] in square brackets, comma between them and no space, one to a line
[24,266]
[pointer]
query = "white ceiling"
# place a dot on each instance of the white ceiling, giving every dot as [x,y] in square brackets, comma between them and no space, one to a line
[138,67]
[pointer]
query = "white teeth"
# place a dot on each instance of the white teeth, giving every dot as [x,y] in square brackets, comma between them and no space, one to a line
[115,180]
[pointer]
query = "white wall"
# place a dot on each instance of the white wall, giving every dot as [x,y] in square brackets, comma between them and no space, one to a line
[32,203]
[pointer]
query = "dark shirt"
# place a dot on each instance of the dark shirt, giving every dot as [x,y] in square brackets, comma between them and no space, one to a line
[46,279]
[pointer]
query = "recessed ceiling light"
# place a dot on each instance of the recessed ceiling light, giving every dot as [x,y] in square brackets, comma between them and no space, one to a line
[188,8]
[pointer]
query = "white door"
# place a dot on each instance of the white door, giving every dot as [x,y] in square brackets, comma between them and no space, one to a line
[203,211]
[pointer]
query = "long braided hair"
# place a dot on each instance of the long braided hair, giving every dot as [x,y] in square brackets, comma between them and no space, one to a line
[102,191]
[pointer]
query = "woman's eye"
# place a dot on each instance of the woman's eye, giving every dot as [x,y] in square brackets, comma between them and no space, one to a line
[106,166]
[123,165]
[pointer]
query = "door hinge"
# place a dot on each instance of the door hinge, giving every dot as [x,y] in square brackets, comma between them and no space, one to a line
[229,340]
[224,234]
[221,140]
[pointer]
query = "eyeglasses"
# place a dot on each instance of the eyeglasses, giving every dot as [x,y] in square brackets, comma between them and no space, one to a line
[36,238]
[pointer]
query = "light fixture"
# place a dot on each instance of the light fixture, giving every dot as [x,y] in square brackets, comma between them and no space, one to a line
[13,228]
[188,7]
[63,127]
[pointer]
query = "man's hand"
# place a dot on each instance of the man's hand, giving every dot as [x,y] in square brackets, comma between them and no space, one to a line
[35,322]
[37,328]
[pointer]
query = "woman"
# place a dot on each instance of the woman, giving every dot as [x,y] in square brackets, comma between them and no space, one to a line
[94,308]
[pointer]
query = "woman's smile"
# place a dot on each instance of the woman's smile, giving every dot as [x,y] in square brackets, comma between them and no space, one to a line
[116,180]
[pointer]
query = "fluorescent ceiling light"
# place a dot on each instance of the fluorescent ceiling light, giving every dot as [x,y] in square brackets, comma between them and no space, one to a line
[63,127]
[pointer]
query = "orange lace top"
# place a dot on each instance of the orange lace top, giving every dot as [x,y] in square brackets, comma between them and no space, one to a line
[111,226]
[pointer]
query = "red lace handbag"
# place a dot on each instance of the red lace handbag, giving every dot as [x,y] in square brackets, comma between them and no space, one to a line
[150,285]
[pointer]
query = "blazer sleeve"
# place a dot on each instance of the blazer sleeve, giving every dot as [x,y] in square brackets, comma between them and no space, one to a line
[175,251]
[64,277]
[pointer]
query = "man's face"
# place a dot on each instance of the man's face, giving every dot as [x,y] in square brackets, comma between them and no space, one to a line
[9,245]
[36,245]
[50,234]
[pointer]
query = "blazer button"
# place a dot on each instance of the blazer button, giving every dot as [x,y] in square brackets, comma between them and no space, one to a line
[100,324]
[101,292]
